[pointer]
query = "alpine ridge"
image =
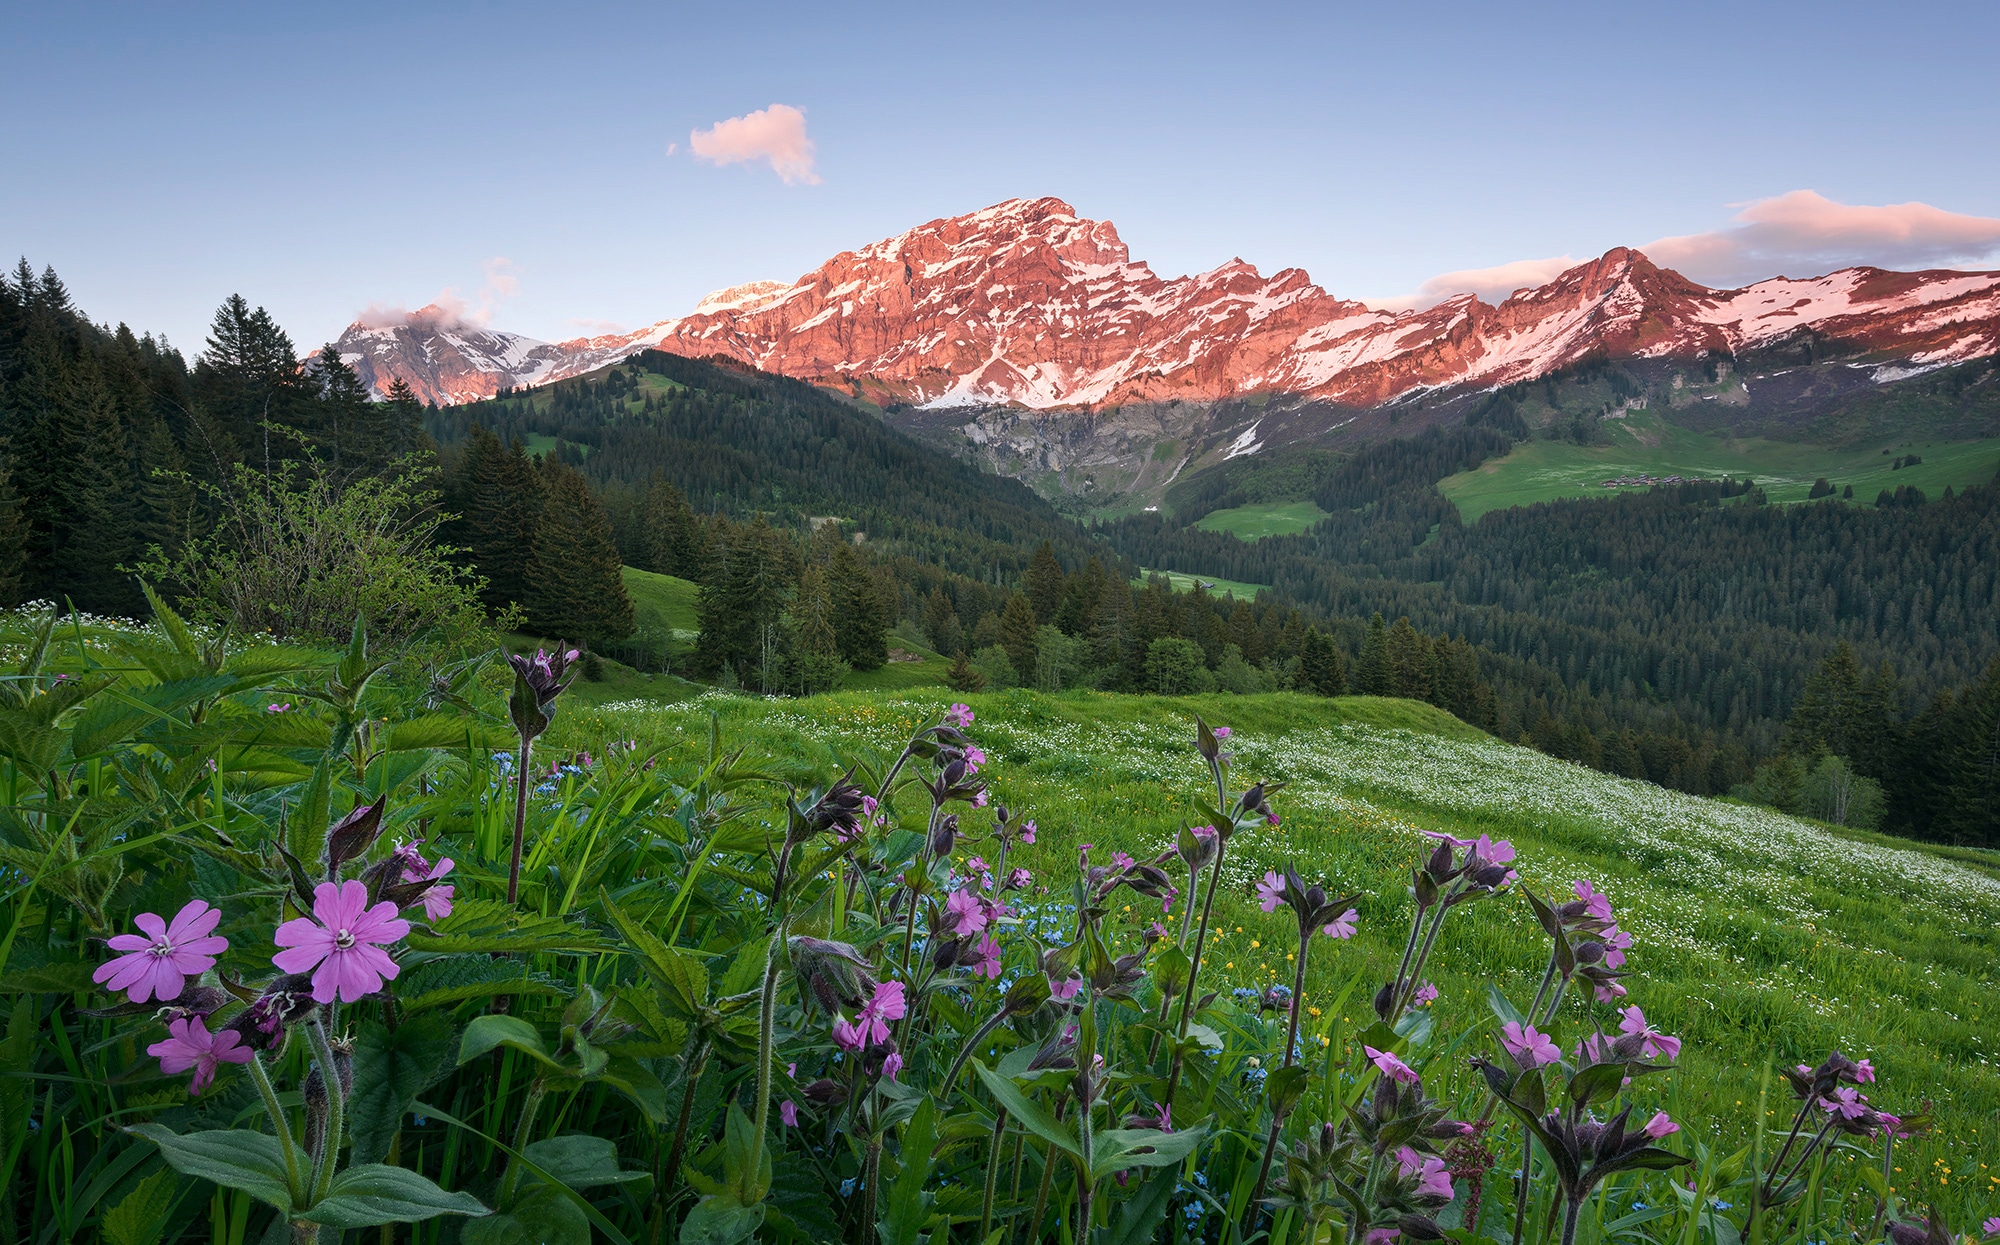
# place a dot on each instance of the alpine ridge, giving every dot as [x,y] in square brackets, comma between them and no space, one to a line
[1028,304]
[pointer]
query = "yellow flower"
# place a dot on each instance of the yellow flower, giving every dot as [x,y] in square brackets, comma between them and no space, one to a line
[1312,1011]
[1254,944]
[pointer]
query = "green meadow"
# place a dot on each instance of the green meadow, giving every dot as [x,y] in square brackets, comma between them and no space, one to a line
[1761,939]
[1183,582]
[1261,519]
[1643,444]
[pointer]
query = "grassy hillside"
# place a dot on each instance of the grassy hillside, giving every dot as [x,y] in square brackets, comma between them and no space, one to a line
[1760,937]
[664,598]
[1642,443]
[1216,587]
[1256,521]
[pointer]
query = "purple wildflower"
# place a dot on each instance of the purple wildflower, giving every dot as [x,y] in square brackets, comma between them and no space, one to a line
[159,964]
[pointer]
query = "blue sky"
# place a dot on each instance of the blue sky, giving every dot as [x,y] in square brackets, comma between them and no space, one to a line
[319,160]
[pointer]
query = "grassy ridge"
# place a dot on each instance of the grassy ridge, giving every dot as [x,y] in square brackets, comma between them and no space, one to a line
[1759,937]
[1643,443]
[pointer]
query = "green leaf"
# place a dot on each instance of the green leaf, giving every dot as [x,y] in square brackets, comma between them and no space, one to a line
[541,1216]
[488,925]
[739,1138]
[128,711]
[452,979]
[581,1161]
[1503,1009]
[1283,1088]
[61,977]
[1032,1115]
[234,1158]
[1118,1148]
[391,1067]
[1652,1158]
[683,980]
[489,1031]
[721,1220]
[905,1208]
[305,829]
[140,1218]
[1201,1037]
[375,1193]
[441,730]
[1597,1082]
[1140,1218]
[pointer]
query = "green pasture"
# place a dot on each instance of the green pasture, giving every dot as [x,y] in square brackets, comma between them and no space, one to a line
[1642,443]
[1183,582]
[1254,522]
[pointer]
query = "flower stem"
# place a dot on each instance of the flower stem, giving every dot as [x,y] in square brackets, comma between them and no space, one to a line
[992,1173]
[336,1109]
[767,1011]
[1194,974]
[1291,1044]
[279,1121]
[530,1108]
[520,818]
[965,1053]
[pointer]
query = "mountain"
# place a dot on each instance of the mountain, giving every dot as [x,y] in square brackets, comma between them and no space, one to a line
[1027,304]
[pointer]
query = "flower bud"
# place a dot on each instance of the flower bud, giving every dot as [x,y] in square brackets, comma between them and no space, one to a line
[538,680]
[831,974]
[945,836]
[354,834]
[1385,1000]
[825,1093]
[1420,1228]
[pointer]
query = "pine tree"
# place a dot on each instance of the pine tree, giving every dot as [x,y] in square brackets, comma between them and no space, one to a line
[402,419]
[860,622]
[1373,675]
[1969,808]
[1017,635]
[742,605]
[1826,714]
[1044,584]
[963,676]
[13,534]
[814,611]
[344,424]
[672,540]
[1321,669]
[574,586]
[940,622]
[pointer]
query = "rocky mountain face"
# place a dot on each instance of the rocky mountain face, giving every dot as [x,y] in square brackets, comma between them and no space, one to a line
[1026,304]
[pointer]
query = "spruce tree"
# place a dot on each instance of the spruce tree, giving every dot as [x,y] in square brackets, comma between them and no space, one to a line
[860,621]
[1373,674]
[13,534]
[672,535]
[1826,712]
[574,586]
[1968,808]
[1321,669]
[940,622]
[742,605]
[1017,635]
[1044,584]
[402,419]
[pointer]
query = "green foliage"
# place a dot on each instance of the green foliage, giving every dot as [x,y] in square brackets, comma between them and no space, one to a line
[302,552]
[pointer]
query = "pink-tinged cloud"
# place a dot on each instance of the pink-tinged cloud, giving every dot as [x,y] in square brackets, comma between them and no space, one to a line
[776,135]
[1492,285]
[1804,234]
[450,308]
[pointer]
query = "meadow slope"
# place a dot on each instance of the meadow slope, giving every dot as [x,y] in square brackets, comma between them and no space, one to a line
[1760,937]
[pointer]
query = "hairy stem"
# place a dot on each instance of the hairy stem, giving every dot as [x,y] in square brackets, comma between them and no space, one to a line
[520,818]
[530,1108]
[992,1173]
[697,1064]
[1194,974]
[336,1109]
[280,1122]
[1291,1045]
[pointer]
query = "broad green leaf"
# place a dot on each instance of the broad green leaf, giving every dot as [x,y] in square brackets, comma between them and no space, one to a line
[720,1219]
[488,925]
[540,1216]
[1032,1115]
[739,1138]
[375,1193]
[581,1161]
[1283,1088]
[683,980]
[391,1067]
[452,979]
[61,977]
[233,1158]
[140,1218]
[905,1208]
[1502,1008]
[112,719]
[1118,1148]
[1201,1037]
[305,827]
[441,730]
[489,1031]
[1597,1082]
[1140,1218]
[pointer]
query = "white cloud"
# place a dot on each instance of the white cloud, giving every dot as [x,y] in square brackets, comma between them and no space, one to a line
[451,308]
[1804,234]
[776,135]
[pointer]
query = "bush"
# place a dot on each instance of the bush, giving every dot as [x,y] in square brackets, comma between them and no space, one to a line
[1834,792]
[302,552]
[993,662]
[1174,667]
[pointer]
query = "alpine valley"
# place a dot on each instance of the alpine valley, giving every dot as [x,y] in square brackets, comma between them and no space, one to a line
[1027,336]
